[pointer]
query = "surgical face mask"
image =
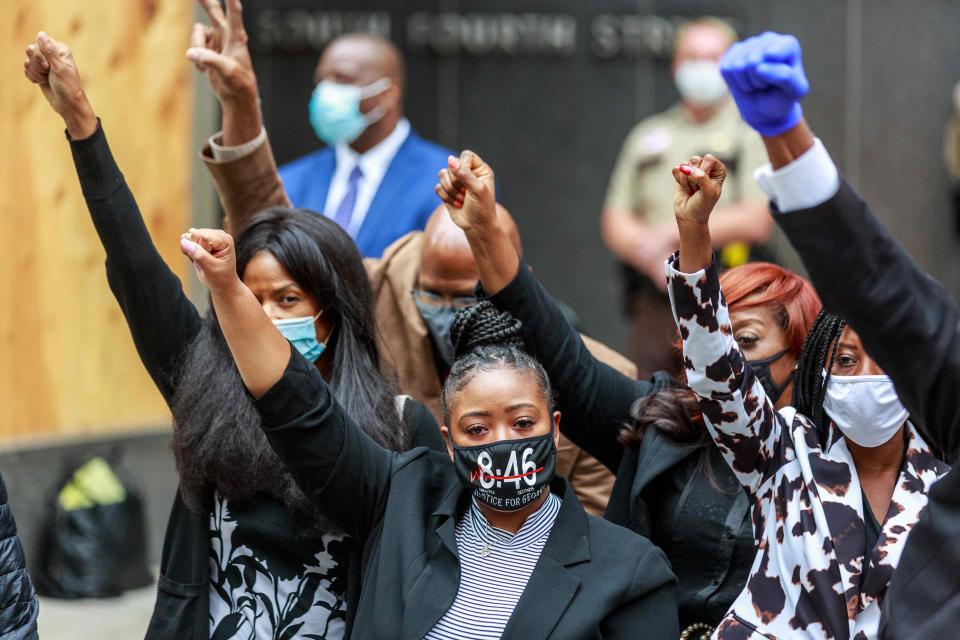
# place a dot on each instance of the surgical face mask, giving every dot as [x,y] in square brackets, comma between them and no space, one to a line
[700,83]
[510,474]
[335,110]
[865,408]
[302,333]
[438,315]
[761,369]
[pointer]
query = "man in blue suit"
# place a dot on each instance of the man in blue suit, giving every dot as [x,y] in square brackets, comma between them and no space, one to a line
[376,175]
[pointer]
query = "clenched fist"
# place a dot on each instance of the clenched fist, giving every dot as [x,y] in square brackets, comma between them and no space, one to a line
[213,256]
[699,184]
[467,189]
[50,65]
[766,78]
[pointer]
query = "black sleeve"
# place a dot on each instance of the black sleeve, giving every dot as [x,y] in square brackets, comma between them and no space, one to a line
[424,430]
[161,318]
[339,467]
[906,319]
[594,399]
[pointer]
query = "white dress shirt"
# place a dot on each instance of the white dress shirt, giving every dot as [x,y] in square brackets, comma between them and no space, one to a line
[222,154]
[374,164]
[808,181]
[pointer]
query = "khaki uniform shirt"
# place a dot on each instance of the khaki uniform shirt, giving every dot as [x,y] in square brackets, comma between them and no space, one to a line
[642,182]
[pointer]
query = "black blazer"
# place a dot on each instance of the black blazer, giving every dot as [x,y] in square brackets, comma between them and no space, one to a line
[663,491]
[909,325]
[593,579]
[182,608]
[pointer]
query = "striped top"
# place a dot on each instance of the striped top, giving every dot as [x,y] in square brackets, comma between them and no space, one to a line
[494,569]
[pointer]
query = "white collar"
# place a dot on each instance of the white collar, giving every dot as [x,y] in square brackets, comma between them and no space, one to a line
[376,159]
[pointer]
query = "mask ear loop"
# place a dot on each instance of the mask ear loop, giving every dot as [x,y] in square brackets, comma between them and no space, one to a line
[373,89]
[329,334]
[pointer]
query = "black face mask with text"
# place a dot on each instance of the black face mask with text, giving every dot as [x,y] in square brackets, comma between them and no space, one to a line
[761,369]
[509,474]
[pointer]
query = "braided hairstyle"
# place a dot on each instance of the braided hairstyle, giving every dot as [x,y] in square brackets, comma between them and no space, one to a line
[819,351]
[487,339]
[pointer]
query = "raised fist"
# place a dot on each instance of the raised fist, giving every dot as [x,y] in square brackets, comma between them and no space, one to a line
[699,184]
[766,79]
[213,256]
[50,65]
[467,189]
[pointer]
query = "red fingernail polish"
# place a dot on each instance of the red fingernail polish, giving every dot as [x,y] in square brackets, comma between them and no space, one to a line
[686,169]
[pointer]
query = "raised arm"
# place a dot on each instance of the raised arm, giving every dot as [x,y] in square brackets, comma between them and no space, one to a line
[594,398]
[907,320]
[339,467]
[740,417]
[161,318]
[239,157]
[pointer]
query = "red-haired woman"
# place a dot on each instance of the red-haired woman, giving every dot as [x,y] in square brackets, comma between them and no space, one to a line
[672,484]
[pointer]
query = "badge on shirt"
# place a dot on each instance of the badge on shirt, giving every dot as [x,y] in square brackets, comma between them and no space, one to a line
[656,141]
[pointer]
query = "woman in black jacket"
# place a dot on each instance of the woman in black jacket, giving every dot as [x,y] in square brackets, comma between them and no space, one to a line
[493,545]
[906,320]
[672,484]
[246,554]
[18,612]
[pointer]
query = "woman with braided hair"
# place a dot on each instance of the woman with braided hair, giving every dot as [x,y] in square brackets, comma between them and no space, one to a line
[493,545]
[672,484]
[836,481]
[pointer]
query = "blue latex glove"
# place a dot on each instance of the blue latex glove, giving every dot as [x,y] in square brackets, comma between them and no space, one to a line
[766,79]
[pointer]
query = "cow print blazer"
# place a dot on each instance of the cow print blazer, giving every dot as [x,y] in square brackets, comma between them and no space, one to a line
[807,503]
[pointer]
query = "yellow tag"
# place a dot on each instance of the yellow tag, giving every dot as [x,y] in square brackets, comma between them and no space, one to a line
[735,254]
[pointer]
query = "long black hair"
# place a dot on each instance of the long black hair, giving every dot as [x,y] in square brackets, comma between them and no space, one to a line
[218,443]
[487,339]
[819,352]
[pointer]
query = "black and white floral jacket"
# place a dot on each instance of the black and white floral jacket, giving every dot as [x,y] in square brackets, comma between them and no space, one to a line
[806,499]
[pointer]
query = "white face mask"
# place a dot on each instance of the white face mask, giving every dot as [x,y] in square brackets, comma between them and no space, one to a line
[865,408]
[699,82]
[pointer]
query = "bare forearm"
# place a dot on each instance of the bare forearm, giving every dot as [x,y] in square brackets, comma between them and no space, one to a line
[745,221]
[621,233]
[789,145]
[696,246]
[497,259]
[81,121]
[242,121]
[259,350]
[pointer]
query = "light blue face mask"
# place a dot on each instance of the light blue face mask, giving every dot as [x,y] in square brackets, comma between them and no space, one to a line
[335,110]
[302,333]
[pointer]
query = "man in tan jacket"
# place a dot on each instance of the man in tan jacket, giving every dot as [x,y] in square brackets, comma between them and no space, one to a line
[426,269]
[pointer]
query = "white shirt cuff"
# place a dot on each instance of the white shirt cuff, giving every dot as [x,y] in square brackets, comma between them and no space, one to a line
[808,181]
[222,154]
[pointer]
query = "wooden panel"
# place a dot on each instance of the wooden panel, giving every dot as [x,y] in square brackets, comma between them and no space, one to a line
[67,363]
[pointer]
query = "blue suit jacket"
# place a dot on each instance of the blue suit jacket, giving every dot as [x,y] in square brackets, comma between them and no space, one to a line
[403,202]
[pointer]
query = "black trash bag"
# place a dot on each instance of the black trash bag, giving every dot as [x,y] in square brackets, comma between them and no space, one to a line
[93,547]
